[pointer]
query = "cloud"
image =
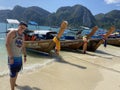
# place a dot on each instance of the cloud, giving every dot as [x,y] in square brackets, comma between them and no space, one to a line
[3,8]
[112,1]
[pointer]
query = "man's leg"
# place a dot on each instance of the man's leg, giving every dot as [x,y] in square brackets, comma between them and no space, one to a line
[16,79]
[12,82]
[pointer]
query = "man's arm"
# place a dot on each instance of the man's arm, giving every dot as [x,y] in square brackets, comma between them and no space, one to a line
[24,50]
[9,38]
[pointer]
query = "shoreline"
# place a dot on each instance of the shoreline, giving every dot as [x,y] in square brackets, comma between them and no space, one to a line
[28,67]
[74,71]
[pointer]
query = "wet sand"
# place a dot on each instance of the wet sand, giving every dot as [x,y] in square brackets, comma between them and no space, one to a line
[98,70]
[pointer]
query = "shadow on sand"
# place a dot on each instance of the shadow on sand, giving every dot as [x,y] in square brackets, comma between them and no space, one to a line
[27,88]
[95,53]
[104,53]
[61,60]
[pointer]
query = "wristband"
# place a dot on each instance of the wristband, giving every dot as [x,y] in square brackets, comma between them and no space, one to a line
[10,57]
[25,55]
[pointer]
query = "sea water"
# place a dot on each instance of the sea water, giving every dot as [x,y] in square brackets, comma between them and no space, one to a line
[34,60]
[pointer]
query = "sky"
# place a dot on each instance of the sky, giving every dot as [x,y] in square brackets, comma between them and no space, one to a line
[95,6]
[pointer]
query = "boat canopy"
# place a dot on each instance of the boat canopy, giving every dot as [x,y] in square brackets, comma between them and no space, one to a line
[13,21]
[41,31]
[33,23]
[83,27]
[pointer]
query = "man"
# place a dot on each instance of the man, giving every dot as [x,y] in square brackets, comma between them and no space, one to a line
[85,44]
[15,47]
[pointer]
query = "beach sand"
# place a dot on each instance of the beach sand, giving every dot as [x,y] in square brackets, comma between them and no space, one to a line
[98,70]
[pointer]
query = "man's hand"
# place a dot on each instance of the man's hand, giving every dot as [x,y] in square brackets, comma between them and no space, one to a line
[25,59]
[11,60]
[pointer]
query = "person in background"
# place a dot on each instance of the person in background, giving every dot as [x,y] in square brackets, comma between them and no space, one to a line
[85,40]
[15,47]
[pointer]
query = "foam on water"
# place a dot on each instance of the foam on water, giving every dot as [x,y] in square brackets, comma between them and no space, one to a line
[37,66]
[2,38]
[29,67]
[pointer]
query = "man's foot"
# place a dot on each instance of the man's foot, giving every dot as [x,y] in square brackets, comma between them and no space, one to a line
[16,85]
[84,52]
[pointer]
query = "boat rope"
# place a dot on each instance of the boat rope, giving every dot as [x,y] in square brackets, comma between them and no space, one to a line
[105,42]
[57,42]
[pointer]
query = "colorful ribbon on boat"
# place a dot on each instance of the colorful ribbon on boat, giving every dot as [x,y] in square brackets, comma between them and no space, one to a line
[105,42]
[85,39]
[57,42]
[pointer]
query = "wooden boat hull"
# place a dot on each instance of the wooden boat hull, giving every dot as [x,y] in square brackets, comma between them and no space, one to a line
[44,45]
[113,41]
[71,44]
[95,43]
[91,45]
[48,45]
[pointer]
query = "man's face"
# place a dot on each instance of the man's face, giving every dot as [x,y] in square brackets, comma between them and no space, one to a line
[22,28]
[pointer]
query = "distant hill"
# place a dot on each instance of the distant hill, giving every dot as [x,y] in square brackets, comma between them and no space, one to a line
[108,19]
[76,15]
[21,13]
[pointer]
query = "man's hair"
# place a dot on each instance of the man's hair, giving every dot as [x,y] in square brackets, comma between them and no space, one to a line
[23,23]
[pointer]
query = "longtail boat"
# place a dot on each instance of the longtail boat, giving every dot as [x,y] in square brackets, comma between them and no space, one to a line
[85,39]
[93,44]
[114,38]
[76,43]
[46,46]
[113,41]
